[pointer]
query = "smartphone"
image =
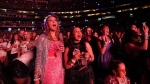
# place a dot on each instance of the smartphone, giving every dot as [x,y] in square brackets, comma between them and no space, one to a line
[76,51]
[144,23]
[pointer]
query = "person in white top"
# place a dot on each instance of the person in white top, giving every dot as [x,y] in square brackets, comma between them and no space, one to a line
[3,52]
[20,65]
[3,77]
[13,47]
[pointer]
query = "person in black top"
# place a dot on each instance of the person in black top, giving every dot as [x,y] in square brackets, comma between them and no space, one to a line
[77,57]
[134,58]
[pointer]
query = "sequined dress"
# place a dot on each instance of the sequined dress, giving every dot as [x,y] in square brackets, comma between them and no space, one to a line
[54,71]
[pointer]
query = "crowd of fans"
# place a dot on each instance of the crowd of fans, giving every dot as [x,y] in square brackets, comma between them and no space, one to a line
[40,24]
[17,23]
[28,4]
[120,57]
[54,5]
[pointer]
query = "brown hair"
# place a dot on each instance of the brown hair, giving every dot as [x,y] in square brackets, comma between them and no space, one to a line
[85,33]
[47,29]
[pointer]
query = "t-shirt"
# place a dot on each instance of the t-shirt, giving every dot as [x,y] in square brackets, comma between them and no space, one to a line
[27,56]
[14,49]
[2,51]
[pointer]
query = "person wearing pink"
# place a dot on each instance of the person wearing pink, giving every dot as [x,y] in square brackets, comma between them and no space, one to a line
[48,64]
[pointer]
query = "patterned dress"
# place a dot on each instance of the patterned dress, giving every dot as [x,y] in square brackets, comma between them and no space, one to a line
[54,71]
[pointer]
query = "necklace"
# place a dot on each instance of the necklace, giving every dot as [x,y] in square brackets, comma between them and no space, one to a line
[54,39]
[122,80]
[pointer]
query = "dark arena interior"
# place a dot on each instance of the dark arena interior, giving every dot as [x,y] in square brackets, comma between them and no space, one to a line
[117,32]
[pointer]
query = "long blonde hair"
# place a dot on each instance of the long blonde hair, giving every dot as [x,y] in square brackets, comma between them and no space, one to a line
[47,29]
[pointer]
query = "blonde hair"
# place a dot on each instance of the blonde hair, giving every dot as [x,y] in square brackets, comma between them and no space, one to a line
[47,29]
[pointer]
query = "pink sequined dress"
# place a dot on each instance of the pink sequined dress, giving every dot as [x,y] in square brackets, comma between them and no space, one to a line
[54,70]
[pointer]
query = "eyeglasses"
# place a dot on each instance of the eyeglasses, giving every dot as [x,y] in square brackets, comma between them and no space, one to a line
[122,70]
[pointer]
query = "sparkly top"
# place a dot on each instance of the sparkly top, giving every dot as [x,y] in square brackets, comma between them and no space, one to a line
[42,45]
[54,47]
[113,80]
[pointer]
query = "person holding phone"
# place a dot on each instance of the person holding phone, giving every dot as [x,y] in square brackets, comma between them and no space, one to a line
[77,57]
[134,58]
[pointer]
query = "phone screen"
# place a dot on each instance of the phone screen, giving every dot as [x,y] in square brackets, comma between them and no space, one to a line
[76,51]
[144,23]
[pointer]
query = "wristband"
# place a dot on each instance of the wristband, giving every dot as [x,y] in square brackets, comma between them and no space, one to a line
[146,36]
[72,64]
[36,79]
[73,61]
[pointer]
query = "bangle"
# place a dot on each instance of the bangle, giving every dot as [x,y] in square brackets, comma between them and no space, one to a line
[36,79]
[72,64]
[73,61]
[146,36]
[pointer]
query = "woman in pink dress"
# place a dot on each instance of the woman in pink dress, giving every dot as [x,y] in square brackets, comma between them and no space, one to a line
[48,64]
